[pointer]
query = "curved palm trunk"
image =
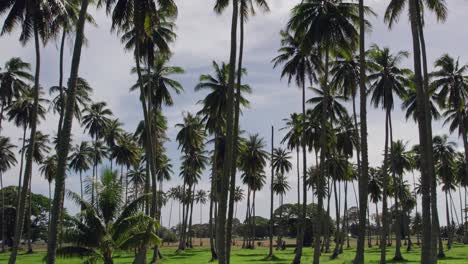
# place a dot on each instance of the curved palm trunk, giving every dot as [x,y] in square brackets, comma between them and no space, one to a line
[64,140]
[62,107]
[383,242]
[29,154]
[221,238]
[363,175]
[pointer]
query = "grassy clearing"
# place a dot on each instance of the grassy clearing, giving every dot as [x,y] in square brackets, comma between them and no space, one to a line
[458,255]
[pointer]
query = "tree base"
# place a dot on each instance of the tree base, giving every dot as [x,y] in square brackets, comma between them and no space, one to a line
[398,259]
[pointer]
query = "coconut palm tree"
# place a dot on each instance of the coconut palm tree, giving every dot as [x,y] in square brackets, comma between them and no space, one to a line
[299,66]
[14,78]
[280,188]
[65,134]
[375,191]
[421,80]
[238,198]
[7,160]
[293,141]
[81,160]
[229,162]
[444,156]
[110,226]
[82,97]
[49,169]
[112,132]
[126,153]
[34,19]
[451,83]
[387,78]
[252,161]
[246,8]
[410,104]
[332,26]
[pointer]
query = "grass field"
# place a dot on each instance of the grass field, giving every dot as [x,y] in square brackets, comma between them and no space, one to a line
[458,255]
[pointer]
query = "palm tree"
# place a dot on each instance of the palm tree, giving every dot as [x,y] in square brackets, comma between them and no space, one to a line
[7,160]
[375,191]
[96,120]
[14,79]
[34,19]
[82,98]
[280,188]
[421,79]
[126,153]
[299,65]
[109,227]
[246,7]
[49,170]
[65,135]
[330,26]
[229,162]
[400,161]
[388,78]
[81,160]
[112,132]
[293,141]
[137,177]
[444,156]
[238,197]
[451,82]
[252,161]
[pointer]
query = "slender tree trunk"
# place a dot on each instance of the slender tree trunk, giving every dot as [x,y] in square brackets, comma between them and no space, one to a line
[270,252]
[425,137]
[327,224]
[62,101]
[378,221]
[30,151]
[64,140]
[396,185]
[385,224]
[214,177]
[369,233]
[28,219]
[229,148]
[449,228]
[346,218]
[363,177]
[336,251]
[303,213]
[20,176]
[323,156]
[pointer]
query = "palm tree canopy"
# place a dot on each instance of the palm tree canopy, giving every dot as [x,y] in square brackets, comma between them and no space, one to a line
[214,105]
[20,110]
[396,7]
[386,76]
[7,156]
[96,119]
[280,184]
[281,160]
[81,157]
[252,161]
[14,79]
[49,168]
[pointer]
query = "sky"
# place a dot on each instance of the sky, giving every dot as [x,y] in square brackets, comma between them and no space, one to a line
[203,37]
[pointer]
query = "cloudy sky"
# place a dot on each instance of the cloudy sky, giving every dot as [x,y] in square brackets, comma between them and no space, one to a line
[204,37]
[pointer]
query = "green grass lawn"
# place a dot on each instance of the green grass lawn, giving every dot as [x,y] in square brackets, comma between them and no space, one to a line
[458,255]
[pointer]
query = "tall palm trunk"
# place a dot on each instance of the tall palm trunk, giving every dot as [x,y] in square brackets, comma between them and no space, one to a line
[232,187]
[378,221]
[364,170]
[214,177]
[345,218]
[229,149]
[323,155]
[385,224]
[425,138]
[298,177]
[326,243]
[62,106]
[270,252]
[28,220]
[247,220]
[338,231]
[396,186]
[449,226]
[64,140]
[30,151]
[20,176]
